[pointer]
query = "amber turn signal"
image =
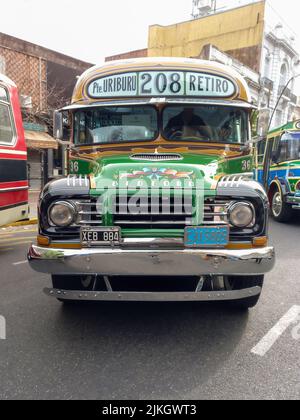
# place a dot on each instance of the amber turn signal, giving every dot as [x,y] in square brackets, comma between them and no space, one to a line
[43,240]
[261,241]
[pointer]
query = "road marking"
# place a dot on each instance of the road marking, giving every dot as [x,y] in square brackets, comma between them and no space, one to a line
[14,245]
[20,263]
[15,240]
[290,318]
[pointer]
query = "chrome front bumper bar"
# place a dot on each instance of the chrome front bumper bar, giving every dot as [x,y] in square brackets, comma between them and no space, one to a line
[148,262]
[153,296]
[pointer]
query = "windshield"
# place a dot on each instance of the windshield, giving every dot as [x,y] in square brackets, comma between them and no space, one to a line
[115,125]
[290,147]
[205,123]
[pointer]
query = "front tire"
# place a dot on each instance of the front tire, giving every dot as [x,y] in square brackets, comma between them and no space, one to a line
[240,283]
[281,211]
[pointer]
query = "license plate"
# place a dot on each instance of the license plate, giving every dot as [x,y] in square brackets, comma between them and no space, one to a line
[204,236]
[100,236]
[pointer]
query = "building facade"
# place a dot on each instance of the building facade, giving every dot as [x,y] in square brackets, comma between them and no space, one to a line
[248,36]
[251,37]
[45,80]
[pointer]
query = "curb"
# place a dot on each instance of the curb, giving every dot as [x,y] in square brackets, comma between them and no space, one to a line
[24,223]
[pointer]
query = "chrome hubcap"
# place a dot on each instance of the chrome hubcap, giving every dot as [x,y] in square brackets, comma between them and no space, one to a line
[277,204]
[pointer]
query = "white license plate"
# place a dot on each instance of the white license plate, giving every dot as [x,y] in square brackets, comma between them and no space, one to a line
[100,236]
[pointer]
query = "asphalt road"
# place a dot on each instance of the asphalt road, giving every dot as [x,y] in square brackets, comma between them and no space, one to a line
[148,351]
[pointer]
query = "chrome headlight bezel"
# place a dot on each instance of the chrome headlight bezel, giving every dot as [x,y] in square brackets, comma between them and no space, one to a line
[248,223]
[72,214]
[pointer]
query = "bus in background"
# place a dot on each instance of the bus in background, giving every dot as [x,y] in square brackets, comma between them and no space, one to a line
[13,156]
[282,178]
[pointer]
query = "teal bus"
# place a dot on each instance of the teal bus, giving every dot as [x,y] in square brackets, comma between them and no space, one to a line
[278,169]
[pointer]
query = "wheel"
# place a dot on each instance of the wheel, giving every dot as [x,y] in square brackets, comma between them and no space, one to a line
[84,283]
[281,211]
[239,283]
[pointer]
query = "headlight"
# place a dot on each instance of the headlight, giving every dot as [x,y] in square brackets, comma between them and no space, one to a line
[62,214]
[241,214]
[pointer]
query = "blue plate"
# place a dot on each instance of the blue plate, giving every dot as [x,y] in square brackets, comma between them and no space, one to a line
[206,236]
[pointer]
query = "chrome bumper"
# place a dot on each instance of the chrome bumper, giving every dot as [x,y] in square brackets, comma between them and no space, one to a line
[152,296]
[294,201]
[146,262]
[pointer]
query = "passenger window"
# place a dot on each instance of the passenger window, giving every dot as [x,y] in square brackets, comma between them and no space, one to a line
[3,94]
[276,149]
[6,127]
[283,149]
[261,148]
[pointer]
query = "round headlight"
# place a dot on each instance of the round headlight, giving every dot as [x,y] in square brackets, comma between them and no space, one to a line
[241,215]
[62,214]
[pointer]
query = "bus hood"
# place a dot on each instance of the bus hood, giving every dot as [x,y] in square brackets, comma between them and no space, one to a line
[190,171]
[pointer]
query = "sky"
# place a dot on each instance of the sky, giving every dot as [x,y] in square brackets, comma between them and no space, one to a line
[90,30]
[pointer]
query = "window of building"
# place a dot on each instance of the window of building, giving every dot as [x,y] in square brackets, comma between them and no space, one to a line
[267,71]
[6,125]
[284,74]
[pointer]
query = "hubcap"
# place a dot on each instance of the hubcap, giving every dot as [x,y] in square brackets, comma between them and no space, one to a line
[277,204]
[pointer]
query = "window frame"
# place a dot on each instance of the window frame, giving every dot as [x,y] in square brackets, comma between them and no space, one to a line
[280,142]
[246,128]
[8,105]
[114,143]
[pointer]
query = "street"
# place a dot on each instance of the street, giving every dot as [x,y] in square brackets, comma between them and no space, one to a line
[148,351]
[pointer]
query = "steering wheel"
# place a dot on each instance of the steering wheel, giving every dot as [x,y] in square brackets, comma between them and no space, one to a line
[177,134]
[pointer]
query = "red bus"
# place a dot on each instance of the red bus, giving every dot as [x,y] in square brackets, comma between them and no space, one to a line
[13,156]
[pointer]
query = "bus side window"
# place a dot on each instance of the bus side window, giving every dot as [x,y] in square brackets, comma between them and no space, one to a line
[6,126]
[276,149]
[261,148]
[3,94]
[283,149]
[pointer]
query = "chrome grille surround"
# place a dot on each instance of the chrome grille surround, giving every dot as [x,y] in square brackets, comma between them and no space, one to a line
[157,157]
[169,214]
[89,212]
[153,212]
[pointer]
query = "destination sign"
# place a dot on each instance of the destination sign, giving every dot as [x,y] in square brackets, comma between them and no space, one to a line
[161,83]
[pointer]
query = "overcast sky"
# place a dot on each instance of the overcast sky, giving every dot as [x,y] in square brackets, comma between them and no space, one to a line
[93,29]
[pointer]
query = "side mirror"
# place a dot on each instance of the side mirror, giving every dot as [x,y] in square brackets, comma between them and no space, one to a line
[58,126]
[61,126]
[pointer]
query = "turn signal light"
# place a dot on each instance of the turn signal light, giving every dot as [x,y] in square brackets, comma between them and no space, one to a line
[43,240]
[261,241]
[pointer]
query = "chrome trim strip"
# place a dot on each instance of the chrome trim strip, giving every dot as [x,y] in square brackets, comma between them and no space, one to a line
[140,262]
[14,189]
[13,152]
[153,101]
[153,297]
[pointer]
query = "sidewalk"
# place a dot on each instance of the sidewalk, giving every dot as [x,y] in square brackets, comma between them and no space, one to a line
[33,202]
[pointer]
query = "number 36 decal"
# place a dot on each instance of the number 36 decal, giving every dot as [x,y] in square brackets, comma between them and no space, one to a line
[74,166]
[246,165]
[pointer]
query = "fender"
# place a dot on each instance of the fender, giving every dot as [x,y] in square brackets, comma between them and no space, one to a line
[282,185]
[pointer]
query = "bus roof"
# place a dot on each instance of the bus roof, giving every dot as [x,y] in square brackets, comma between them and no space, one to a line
[134,66]
[6,80]
[292,126]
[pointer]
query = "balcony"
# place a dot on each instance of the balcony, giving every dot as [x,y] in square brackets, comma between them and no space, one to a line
[267,83]
[287,92]
[294,99]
